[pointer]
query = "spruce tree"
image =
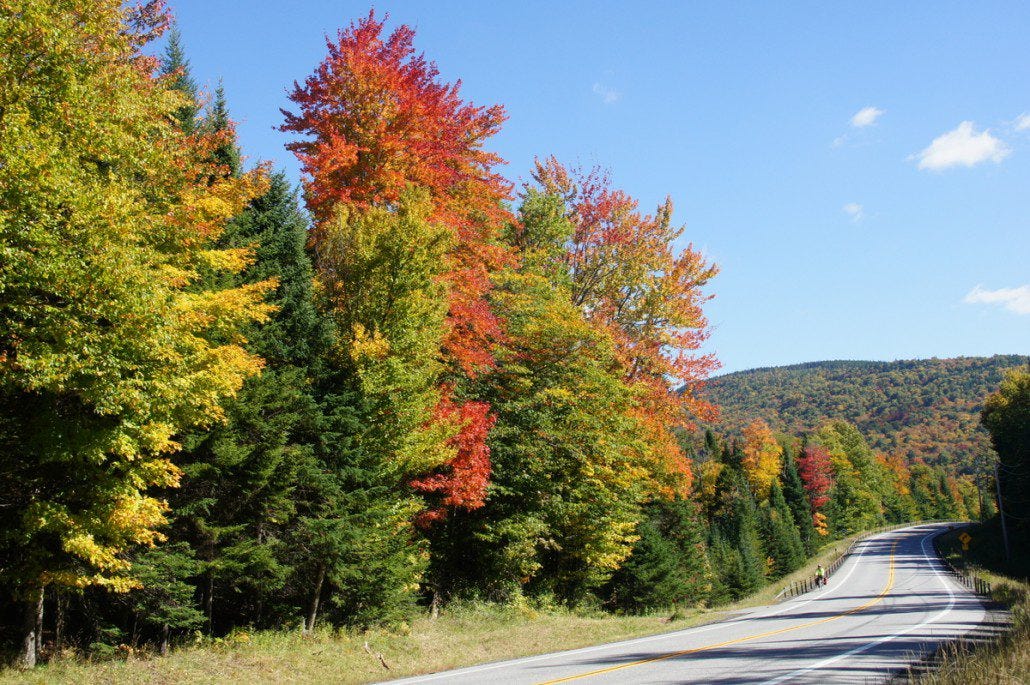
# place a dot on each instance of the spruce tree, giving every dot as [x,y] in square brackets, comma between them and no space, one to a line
[216,120]
[782,541]
[668,565]
[236,504]
[797,500]
[176,68]
[741,571]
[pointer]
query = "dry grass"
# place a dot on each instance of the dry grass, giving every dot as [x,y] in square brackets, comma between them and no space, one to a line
[465,635]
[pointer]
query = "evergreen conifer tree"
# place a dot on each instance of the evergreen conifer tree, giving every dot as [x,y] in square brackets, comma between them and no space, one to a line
[782,541]
[797,500]
[176,68]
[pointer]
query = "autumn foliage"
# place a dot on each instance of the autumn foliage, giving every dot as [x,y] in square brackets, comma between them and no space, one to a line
[816,469]
[115,334]
[761,460]
[630,279]
[377,120]
[235,413]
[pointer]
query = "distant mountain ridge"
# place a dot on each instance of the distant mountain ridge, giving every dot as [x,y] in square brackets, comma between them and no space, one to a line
[927,408]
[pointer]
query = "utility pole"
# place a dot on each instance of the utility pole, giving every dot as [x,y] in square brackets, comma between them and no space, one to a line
[1001,515]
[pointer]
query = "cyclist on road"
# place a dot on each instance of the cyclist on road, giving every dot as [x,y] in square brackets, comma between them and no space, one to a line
[820,575]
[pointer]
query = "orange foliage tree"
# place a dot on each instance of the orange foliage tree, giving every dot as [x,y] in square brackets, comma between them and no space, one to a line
[630,279]
[375,120]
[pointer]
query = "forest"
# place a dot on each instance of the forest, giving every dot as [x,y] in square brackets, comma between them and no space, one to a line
[925,407]
[228,402]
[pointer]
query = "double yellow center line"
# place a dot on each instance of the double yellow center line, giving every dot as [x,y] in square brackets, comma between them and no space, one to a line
[672,655]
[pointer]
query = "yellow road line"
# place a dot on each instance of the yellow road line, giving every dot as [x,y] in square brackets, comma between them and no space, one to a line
[671,655]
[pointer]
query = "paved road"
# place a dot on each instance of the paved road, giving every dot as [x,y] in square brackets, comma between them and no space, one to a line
[890,603]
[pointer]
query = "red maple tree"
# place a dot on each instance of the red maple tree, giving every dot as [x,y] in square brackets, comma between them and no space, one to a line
[375,119]
[816,470]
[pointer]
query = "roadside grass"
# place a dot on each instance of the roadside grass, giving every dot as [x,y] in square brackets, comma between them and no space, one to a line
[1006,659]
[465,634]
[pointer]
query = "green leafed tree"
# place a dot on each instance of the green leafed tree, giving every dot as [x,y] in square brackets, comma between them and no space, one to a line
[567,482]
[1006,415]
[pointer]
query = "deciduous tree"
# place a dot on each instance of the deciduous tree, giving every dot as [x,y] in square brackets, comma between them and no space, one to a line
[109,343]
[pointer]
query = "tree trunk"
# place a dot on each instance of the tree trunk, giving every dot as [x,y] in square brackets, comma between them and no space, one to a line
[209,600]
[165,630]
[434,606]
[32,609]
[315,596]
[59,622]
[39,623]
[134,640]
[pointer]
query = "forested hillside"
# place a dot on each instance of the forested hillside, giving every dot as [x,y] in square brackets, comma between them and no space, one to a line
[924,407]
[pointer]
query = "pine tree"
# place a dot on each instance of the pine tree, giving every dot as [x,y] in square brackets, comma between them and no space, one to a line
[800,507]
[668,565]
[236,501]
[175,68]
[736,523]
[782,541]
[165,601]
[218,123]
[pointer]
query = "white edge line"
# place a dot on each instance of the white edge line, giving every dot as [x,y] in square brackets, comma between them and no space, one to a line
[468,670]
[826,662]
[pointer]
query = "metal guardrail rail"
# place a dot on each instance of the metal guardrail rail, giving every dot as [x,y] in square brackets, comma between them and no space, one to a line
[978,585]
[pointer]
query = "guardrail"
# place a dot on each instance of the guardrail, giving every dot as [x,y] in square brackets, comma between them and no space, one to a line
[800,587]
[973,582]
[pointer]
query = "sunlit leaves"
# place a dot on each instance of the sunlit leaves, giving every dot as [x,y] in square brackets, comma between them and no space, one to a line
[107,336]
[761,461]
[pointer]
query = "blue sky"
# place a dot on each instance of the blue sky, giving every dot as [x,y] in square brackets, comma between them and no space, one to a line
[859,171]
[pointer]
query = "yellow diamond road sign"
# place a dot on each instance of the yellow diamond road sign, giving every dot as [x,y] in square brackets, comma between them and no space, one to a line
[965,538]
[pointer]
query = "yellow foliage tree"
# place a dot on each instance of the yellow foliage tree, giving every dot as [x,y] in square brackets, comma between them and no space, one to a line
[111,338]
[761,459]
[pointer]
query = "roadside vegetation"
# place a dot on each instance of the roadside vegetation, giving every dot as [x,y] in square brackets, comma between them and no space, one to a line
[1004,658]
[464,634]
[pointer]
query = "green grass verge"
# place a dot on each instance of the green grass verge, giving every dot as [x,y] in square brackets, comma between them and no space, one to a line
[465,634]
[1007,659]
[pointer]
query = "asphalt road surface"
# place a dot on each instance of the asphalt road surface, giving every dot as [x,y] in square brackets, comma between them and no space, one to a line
[888,605]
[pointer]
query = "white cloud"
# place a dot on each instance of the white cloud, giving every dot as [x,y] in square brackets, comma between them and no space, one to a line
[1013,299]
[962,147]
[855,211]
[607,93]
[866,116]
[1023,122]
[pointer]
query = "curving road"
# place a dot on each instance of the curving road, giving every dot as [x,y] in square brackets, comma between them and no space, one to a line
[888,605]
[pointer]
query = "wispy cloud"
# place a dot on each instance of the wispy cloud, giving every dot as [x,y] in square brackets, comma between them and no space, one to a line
[866,116]
[1013,299]
[855,211]
[863,118]
[963,146]
[607,94]
[1023,122]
